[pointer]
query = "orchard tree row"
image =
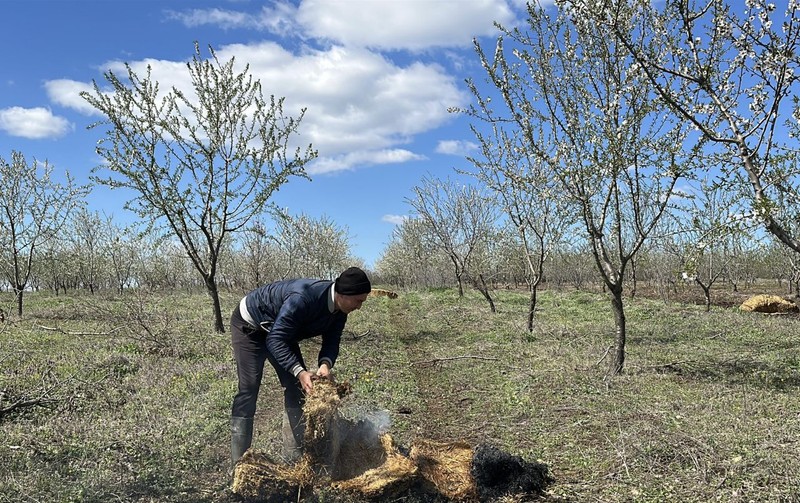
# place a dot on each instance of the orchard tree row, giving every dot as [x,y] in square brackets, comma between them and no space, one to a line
[617,123]
[614,128]
[90,253]
[87,252]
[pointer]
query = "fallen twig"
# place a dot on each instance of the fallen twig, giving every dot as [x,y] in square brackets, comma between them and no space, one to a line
[19,404]
[604,356]
[62,331]
[51,390]
[447,359]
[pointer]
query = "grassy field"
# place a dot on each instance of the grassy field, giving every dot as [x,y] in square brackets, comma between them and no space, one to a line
[127,398]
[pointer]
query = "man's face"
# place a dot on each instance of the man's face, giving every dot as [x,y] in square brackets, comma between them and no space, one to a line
[349,303]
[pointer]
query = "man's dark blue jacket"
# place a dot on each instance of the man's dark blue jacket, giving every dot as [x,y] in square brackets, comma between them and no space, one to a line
[293,310]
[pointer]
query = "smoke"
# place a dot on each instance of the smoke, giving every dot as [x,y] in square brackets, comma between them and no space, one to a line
[355,444]
[380,420]
[370,423]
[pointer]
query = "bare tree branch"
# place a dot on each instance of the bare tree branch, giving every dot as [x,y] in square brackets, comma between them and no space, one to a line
[62,331]
[452,358]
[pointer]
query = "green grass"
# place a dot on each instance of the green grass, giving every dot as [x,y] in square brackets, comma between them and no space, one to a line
[706,410]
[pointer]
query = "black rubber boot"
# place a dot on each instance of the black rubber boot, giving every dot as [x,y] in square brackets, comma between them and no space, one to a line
[294,428]
[241,437]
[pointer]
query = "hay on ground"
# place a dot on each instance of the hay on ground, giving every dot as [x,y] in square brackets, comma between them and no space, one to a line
[395,475]
[445,468]
[768,304]
[257,477]
[354,457]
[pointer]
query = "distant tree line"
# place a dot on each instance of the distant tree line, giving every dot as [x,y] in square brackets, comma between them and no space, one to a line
[92,254]
[665,267]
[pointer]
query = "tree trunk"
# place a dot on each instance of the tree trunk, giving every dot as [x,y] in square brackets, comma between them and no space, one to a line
[618,364]
[532,307]
[20,293]
[213,292]
[706,293]
[460,282]
[481,286]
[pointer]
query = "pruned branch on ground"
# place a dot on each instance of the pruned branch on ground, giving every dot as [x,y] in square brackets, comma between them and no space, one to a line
[143,321]
[50,390]
[62,331]
[22,403]
[451,358]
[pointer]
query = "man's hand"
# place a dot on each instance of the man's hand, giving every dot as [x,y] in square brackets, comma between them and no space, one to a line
[324,372]
[306,379]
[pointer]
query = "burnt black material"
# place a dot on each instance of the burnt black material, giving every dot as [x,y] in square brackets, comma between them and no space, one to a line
[498,473]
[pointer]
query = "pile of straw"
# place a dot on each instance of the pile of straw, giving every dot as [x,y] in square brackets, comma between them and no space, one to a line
[257,477]
[396,474]
[354,457]
[446,468]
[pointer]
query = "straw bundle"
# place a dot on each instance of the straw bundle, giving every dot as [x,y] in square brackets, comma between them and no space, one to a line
[446,468]
[392,477]
[258,477]
[768,304]
[322,439]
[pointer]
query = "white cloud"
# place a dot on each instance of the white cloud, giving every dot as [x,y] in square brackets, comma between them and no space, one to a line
[66,93]
[226,19]
[386,24]
[456,147]
[394,219]
[355,100]
[406,24]
[278,18]
[33,123]
[353,160]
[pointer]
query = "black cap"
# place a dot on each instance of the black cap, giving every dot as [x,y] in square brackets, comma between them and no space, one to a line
[353,281]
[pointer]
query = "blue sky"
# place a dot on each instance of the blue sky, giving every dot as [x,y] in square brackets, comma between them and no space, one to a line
[376,77]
